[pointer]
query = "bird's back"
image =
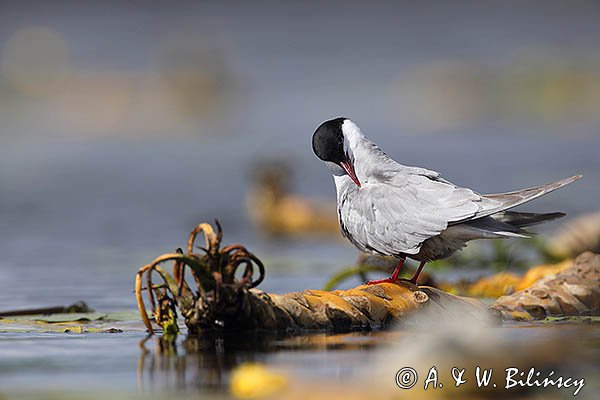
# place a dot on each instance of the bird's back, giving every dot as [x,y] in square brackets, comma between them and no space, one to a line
[398,208]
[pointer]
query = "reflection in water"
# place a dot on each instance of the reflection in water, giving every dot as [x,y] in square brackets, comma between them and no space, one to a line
[196,362]
[205,362]
[327,360]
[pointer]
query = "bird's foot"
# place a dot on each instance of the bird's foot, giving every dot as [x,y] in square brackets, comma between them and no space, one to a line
[413,281]
[386,280]
[391,280]
[376,281]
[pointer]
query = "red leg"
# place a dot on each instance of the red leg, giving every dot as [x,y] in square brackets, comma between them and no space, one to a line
[416,275]
[392,278]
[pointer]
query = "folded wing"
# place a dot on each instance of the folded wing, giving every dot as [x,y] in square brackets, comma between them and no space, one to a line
[395,215]
[400,211]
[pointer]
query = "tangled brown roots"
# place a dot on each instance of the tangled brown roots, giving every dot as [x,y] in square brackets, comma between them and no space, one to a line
[214,272]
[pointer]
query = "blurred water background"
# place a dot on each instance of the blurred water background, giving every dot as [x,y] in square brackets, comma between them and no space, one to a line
[125,124]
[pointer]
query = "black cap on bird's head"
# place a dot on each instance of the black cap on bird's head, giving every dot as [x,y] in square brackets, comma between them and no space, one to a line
[328,145]
[328,141]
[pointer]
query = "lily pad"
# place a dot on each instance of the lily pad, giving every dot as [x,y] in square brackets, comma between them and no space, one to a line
[94,322]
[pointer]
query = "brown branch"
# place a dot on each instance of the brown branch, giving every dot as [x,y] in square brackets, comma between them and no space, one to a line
[573,291]
[79,307]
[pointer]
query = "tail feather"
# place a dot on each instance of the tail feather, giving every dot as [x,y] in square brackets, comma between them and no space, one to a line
[518,197]
[497,204]
[504,224]
[490,227]
[522,219]
[496,222]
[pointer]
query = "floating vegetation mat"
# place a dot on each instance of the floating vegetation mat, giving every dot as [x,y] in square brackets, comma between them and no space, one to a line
[219,298]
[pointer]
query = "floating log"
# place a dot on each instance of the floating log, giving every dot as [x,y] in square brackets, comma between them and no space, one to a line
[573,291]
[221,299]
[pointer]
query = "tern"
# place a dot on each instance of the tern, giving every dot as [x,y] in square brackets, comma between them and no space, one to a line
[395,210]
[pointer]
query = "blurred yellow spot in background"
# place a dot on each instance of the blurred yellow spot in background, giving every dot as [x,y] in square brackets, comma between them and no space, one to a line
[250,381]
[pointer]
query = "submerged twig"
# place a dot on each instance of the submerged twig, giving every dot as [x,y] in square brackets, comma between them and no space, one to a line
[79,307]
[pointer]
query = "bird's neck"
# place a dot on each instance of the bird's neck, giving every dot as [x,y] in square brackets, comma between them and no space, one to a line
[367,158]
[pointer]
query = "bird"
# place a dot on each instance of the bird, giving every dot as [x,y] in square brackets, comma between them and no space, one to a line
[390,209]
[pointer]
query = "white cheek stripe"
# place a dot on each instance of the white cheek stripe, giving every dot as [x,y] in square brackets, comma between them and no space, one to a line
[352,137]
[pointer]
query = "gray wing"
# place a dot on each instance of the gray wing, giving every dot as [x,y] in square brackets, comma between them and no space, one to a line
[403,208]
[513,199]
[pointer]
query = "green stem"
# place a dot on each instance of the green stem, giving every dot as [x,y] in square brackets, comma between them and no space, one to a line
[351,272]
